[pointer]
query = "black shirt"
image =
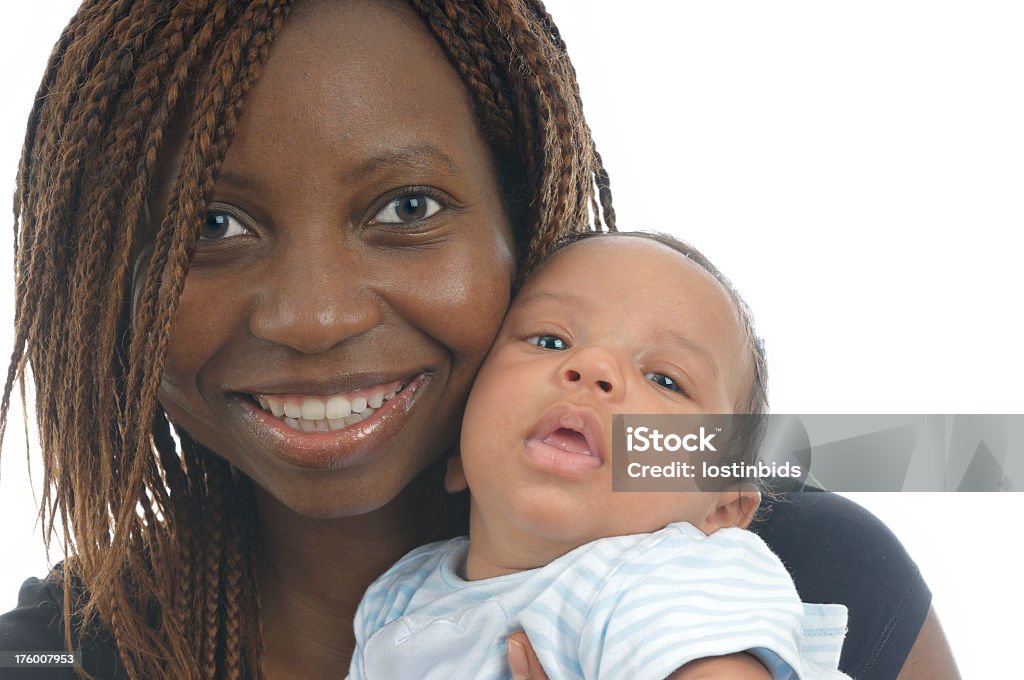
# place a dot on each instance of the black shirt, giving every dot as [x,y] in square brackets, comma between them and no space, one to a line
[836,551]
[36,624]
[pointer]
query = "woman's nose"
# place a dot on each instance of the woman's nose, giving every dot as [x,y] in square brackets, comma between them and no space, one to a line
[594,369]
[315,299]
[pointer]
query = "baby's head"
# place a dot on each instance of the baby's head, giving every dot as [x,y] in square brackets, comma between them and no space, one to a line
[611,323]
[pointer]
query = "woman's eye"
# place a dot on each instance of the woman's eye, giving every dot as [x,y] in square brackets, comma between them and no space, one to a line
[407,209]
[662,380]
[219,226]
[548,342]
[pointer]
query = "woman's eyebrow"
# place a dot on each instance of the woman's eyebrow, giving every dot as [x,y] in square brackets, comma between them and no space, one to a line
[415,156]
[243,182]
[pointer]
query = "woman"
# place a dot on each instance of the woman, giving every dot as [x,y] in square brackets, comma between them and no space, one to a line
[220,207]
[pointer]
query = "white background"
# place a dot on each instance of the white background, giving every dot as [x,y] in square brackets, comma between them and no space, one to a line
[857,169]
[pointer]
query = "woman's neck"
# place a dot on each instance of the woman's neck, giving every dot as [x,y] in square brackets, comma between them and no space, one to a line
[313,572]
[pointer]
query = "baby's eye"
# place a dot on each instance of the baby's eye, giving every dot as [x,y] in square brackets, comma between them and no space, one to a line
[663,380]
[548,342]
[406,209]
[219,226]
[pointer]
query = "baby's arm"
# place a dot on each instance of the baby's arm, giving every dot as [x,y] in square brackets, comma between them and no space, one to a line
[523,662]
[740,666]
[703,602]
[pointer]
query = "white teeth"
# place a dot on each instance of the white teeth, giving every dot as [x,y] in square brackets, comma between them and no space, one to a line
[337,408]
[313,409]
[391,395]
[316,414]
[327,424]
[276,407]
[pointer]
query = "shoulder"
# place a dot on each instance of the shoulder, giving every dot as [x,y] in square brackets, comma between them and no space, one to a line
[732,559]
[819,535]
[681,546]
[37,624]
[689,596]
[822,515]
[838,552]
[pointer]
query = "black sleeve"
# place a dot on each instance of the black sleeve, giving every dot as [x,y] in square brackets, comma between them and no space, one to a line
[36,624]
[838,552]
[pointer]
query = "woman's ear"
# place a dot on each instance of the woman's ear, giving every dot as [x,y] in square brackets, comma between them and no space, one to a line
[734,507]
[455,476]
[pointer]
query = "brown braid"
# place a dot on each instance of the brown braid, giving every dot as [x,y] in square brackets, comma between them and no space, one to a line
[159,529]
[513,61]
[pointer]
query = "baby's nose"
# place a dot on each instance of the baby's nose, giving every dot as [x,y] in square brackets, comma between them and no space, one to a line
[593,368]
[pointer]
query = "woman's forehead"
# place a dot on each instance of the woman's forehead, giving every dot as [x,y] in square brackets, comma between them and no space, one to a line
[344,71]
[350,88]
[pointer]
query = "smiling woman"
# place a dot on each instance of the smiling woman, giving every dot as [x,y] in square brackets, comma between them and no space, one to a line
[340,210]
[333,224]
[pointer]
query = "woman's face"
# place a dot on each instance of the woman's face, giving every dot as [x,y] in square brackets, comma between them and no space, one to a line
[356,247]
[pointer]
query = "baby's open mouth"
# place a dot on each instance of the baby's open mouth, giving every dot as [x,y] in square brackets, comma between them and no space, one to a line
[569,440]
[327,413]
[570,434]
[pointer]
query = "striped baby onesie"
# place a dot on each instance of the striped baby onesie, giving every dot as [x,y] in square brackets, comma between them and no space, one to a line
[626,607]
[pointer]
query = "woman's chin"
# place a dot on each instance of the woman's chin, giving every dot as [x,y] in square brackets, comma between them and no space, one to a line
[328,499]
[351,493]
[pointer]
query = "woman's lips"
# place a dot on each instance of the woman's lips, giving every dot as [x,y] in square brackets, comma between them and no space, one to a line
[566,440]
[348,442]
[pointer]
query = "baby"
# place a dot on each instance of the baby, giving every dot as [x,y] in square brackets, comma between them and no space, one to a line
[605,584]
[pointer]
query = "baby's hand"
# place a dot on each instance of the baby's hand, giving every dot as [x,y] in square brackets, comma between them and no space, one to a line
[740,666]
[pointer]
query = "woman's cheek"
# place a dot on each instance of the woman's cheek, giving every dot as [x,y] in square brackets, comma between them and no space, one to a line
[206,319]
[461,293]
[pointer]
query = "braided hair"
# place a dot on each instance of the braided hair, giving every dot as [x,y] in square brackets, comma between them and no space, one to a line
[160,530]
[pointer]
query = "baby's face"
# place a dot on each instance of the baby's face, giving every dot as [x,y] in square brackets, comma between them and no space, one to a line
[609,325]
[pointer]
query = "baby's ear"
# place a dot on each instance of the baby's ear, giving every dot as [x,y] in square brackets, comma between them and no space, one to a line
[455,477]
[735,507]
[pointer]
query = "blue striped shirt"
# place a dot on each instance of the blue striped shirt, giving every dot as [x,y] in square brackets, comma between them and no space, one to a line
[628,607]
